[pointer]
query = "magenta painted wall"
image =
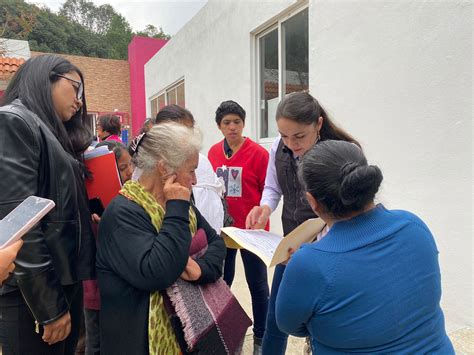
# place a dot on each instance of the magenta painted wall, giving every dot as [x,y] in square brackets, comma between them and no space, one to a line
[140,50]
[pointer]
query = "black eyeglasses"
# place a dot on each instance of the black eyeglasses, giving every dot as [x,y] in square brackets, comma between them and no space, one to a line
[79,88]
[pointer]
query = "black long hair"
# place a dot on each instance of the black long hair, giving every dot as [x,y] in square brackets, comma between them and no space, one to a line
[32,84]
[303,108]
[173,113]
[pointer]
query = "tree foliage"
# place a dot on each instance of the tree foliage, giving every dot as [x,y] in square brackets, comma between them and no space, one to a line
[153,32]
[119,35]
[79,28]
[96,19]
[17,19]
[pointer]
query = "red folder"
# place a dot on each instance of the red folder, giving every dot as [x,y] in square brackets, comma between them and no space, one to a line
[105,181]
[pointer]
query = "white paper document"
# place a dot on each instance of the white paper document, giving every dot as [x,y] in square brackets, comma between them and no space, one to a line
[270,247]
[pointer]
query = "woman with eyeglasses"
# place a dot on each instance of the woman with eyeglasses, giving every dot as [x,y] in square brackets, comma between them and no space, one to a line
[43,137]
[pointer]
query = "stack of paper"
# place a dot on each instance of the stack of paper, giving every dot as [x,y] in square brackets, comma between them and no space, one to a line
[270,247]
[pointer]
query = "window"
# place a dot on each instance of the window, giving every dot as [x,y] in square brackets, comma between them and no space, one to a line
[91,122]
[282,66]
[154,107]
[172,95]
[161,101]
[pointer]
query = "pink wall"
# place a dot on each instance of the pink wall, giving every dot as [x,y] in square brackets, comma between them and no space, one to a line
[140,50]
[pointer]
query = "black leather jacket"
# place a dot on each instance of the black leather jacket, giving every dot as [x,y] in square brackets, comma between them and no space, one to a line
[33,162]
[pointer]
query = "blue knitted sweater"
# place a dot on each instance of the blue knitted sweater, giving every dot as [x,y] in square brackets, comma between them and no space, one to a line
[371,285]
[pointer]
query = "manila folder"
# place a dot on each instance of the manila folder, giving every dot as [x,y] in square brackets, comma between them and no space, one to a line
[270,247]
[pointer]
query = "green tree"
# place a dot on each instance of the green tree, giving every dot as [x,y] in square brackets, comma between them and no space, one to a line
[96,19]
[80,28]
[153,32]
[118,37]
[17,19]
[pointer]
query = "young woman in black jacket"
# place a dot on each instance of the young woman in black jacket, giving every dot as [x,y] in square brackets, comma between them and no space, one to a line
[42,139]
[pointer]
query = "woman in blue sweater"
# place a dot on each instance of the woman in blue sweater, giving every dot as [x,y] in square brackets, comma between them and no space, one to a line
[372,284]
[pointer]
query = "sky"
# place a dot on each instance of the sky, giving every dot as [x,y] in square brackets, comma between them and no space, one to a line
[170,15]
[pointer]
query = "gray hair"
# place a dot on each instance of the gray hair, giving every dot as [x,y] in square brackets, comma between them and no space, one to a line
[171,143]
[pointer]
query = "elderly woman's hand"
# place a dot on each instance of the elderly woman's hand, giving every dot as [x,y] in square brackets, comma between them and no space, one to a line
[175,191]
[192,271]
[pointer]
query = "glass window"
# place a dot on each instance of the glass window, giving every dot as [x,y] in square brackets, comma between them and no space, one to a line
[91,122]
[161,102]
[154,107]
[295,52]
[268,82]
[173,95]
[283,67]
[180,95]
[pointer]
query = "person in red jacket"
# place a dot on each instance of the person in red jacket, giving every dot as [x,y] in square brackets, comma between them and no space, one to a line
[242,164]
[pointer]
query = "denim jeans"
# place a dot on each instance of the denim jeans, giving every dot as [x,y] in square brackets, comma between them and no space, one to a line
[274,341]
[256,276]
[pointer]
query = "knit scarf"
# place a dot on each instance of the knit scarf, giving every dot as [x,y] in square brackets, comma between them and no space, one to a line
[161,337]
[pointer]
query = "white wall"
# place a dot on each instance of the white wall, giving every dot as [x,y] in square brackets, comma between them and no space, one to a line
[15,48]
[213,54]
[397,75]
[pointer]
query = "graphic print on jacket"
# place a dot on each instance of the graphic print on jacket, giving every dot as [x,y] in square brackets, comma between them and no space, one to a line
[232,176]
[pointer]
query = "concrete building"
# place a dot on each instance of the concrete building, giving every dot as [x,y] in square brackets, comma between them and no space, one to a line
[140,50]
[396,75]
[13,54]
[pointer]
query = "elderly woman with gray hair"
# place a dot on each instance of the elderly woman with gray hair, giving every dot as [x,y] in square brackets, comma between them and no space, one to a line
[145,238]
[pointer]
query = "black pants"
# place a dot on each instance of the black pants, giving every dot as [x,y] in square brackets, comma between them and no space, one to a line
[91,317]
[17,326]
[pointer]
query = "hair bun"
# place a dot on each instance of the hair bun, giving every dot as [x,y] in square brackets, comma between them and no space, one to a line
[348,168]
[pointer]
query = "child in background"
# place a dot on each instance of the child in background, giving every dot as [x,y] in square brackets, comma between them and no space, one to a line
[91,289]
[242,164]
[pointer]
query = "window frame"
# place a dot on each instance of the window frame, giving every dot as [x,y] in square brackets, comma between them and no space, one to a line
[167,90]
[276,23]
[94,117]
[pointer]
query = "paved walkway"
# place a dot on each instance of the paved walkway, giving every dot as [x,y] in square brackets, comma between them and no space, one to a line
[462,339]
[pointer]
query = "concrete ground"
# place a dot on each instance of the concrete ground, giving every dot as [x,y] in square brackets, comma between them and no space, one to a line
[463,339]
